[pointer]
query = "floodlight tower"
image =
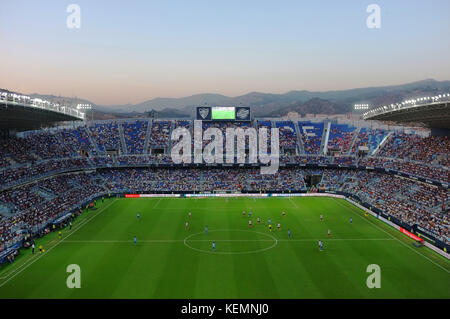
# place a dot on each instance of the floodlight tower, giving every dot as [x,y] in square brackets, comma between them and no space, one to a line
[86,107]
[360,107]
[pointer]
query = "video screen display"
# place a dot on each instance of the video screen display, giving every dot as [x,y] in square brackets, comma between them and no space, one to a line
[223,113]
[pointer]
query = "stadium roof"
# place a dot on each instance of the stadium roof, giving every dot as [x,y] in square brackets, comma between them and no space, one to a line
[22,113]
[434,114]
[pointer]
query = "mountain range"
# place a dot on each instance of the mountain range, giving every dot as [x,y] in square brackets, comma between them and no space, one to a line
[268,104]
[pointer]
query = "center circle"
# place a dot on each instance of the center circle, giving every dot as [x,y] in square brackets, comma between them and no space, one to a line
[223,240]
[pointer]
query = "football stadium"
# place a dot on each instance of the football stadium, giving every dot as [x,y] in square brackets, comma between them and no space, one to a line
[108,197]
[333,194]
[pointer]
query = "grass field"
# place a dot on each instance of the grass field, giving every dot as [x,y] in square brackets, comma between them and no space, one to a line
[171,262]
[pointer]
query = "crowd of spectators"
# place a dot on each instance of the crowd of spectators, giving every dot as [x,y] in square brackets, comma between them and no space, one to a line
[287,135]
[312,159]
[42,154]
[311,134]
[17,175]
[341,136]
[135,134]
[409,201]
[45,152]
[32,210]
[160,134]
[106,136]
[438,173]
[432,149]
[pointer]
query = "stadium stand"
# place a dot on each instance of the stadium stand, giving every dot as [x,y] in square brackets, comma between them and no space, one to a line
[135,135]
[341,136]
[288,137]
[370,138]
[50,172]
[311,133]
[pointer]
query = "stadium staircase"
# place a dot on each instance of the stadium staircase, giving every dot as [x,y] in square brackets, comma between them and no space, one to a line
[122,140]
[255,125]
[191,128]
[5,210]
[325,136]
[201,180]
[44,193]
[273,123]
[91,140]
[115,160]
[147,137]
[438,207]
[354,138]
[90,161]
[300,184]
[172,126]
[383,142]
[301,148]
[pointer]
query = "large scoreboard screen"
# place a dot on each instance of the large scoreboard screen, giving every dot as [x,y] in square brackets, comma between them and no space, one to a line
[223,113]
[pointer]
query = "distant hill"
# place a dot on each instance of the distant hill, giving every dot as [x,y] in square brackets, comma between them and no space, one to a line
[268,104]
[178,103]
[331,102]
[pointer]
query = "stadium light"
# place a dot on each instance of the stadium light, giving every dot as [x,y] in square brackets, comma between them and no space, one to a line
[361,106]
[86,107]
[406,103]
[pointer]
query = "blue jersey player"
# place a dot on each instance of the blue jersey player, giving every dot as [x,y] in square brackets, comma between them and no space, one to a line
[320,245]
[214,246]
[289,233]
[138,216]
[135,240]
[351,220]
[206,230]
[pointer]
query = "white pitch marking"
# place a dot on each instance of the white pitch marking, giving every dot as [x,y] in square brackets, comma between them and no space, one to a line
[290,199]
[357,213]
[59,242]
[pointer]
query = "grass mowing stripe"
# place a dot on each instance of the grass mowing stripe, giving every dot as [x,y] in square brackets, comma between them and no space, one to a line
[12,271]
[353,209]
[7,274]
[57,243]
[160,266]
[219,240]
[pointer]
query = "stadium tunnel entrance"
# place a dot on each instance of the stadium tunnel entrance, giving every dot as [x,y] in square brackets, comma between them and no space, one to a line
[312,180]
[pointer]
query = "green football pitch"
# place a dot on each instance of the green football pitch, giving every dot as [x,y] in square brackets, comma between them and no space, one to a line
[169,261]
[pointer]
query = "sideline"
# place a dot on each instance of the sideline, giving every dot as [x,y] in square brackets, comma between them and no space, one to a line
[353,209]
[25,266]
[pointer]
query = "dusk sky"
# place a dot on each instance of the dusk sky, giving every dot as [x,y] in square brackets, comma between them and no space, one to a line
[131,51]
